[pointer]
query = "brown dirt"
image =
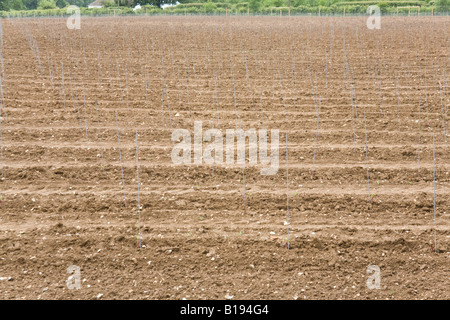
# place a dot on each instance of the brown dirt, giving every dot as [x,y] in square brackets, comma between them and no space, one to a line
[62,203]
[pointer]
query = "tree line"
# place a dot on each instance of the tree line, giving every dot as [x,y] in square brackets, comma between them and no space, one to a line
[212,6]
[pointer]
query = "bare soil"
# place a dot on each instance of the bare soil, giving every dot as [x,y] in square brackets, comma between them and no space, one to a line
[62,192]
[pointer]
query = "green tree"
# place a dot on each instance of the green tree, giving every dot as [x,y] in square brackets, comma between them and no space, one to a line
[47,4]
[442,5]
[5,5]
[30,4]
[210,6]
[296,3]
[80,3]
[61,3]
[17,5]
[383,6]
[254,5]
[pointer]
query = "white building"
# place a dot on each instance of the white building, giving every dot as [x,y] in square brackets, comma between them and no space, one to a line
[96,4]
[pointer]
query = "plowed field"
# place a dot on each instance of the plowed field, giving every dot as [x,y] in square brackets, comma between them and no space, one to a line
[360,108]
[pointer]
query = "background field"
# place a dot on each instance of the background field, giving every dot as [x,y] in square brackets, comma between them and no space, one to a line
[314,78]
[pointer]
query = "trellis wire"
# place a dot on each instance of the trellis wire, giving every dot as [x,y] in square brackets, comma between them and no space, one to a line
[367,156]
[434,197]
[138,193]
[121,164]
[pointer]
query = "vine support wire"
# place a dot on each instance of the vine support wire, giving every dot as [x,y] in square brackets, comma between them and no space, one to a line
[75,103]
[1,119]
[379,89]
[121,164]
[178,85]
[249,84]
[444,90]
[348,78]
[353,99]
[2,98]
[426,92]
[418,147]
[187,88]
[234,90]
[166,92]
[85,119]
[287,191]
[3,88]
[243,162]
[398,100]
[162,103]
[63,89]
[367,156]
[138,193]
[168,107]
[99,133]
[50,73]
[287,161]
[213,118]
[434,192]
[294,83]
[317,136]
[126,84]
[1,146]
[260,102]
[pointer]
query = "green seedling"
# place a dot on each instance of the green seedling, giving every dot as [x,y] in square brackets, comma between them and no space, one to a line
[372,195]
[287,244]
[138,237]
